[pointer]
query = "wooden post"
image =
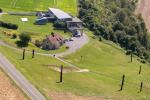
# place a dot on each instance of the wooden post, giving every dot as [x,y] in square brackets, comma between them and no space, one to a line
[81,58]
[23,55]
[141,87]
[122,84]
[140,69]
[61,73]
[131,56]
[33,53]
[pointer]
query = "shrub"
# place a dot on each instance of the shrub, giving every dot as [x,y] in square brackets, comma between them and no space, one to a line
[128,52]
[8,25]
[59,24]
[38,43]
[14,36]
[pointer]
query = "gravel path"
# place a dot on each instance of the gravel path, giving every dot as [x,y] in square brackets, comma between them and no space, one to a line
[78,43]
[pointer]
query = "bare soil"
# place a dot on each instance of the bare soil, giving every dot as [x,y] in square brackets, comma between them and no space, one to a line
[143,8]
[8,89]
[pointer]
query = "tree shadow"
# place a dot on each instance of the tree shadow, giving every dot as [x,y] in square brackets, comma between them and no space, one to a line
[21,44]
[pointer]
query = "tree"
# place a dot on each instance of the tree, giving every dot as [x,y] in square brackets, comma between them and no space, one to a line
[118,26]
[25,38]
[121,16]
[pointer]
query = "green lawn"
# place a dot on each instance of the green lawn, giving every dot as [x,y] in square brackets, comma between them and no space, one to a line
[107,63]
[38,32]
[39,5]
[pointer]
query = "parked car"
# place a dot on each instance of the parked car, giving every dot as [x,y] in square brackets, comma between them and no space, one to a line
[71,39]
[78,34]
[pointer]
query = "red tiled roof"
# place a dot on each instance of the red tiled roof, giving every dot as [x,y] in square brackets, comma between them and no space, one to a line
[55,38]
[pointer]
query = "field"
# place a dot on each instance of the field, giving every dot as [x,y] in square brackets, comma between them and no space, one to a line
[8,89]
[107,63]
[39,5]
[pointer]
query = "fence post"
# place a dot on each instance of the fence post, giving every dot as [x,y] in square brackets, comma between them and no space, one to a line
[61,73]
[141,87]
[33,53]
[23,55]
[122,84]
[140,69]
[131,56]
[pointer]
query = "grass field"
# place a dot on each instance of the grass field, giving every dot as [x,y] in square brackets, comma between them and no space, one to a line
[107,63]
[38,5]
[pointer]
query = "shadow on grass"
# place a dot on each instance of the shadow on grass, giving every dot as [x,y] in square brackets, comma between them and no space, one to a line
[21,44]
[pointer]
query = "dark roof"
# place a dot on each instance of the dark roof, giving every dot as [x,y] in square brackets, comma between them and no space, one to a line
[59,13]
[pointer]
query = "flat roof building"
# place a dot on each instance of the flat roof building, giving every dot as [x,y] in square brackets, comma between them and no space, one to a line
[61,15]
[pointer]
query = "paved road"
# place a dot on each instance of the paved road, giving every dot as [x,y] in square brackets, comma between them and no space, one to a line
[74,45]
[20,80]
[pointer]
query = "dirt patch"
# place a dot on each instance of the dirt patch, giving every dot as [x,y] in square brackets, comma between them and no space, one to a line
[143,8]
[8,90]
[65,69]
[70,96]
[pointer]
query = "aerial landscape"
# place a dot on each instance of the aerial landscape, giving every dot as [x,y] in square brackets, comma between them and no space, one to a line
[74,49]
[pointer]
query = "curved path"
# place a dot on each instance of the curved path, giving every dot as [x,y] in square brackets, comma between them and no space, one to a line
[143,8]
[78,43]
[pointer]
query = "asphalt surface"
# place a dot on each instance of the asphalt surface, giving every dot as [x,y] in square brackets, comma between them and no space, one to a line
[76,44]
[20,80]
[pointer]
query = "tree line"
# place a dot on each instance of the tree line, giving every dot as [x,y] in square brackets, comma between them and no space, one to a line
[8,25]
[115,20]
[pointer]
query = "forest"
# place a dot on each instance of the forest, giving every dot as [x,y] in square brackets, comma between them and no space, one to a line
[115,20]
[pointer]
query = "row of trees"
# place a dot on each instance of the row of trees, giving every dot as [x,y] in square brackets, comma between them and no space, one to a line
[115,21]
[8,25]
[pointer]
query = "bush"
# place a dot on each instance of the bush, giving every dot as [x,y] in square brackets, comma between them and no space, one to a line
[38,43]
[128,52]
[59,24]
[14,36]
[8,25]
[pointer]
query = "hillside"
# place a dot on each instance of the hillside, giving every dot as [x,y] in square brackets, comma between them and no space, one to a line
[107,63]
[116,21]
